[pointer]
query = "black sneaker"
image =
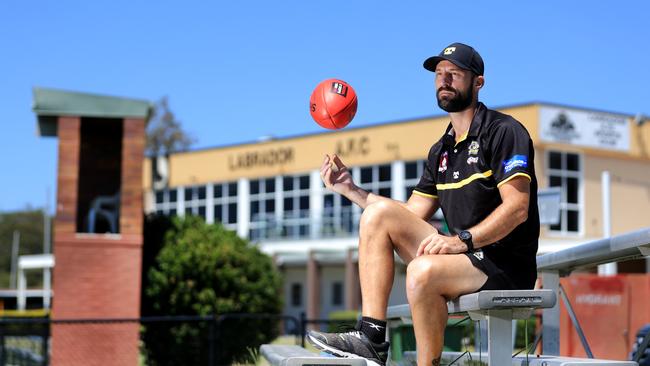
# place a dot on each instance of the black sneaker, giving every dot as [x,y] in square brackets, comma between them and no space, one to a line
[353,344]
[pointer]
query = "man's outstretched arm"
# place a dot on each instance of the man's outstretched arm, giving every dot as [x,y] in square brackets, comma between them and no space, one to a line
[339,180]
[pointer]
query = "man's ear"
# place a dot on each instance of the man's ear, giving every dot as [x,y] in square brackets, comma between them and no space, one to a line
[479,81]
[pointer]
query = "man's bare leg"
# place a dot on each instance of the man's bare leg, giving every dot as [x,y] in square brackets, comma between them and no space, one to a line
[430,281]
[385,227]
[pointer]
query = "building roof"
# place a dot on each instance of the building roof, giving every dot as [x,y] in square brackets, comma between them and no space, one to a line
[350,128]
[51,103]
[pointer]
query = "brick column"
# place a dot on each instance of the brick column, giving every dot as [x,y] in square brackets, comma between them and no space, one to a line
[131,210]
[69,131]
[97,276]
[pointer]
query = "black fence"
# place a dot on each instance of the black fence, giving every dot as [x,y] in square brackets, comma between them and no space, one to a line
[163,340]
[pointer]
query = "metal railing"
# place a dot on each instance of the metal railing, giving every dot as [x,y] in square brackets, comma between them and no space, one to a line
[552,266]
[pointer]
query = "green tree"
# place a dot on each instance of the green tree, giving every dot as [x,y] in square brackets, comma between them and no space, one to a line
[29,223]
[207,270]
[164,132]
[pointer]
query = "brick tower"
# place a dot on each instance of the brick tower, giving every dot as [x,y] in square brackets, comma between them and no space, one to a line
[98,224]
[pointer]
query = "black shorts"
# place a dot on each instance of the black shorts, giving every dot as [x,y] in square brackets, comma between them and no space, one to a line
[497,279]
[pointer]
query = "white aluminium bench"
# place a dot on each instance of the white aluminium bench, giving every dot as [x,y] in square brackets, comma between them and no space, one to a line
[498,308]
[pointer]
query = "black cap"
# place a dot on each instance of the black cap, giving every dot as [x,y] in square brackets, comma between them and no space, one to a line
[460,55]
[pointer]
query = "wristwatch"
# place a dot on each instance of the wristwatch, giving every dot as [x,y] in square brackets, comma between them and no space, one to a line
[466,237]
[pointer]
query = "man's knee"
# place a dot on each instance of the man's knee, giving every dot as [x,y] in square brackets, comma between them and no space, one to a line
[377,214]
[421,275]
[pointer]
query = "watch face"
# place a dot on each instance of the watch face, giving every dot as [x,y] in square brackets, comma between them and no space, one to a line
[465,235]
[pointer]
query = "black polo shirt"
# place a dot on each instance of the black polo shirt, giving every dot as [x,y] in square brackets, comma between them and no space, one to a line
[465,178]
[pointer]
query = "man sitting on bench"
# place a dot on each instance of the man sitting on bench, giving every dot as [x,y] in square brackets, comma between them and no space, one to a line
[481,173]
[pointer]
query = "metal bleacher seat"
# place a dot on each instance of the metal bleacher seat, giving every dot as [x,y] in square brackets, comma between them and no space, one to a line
[498,308]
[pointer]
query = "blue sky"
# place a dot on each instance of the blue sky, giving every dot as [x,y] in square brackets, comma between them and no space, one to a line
[236,71]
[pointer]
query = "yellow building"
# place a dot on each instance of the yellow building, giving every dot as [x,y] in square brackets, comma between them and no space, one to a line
[270,191]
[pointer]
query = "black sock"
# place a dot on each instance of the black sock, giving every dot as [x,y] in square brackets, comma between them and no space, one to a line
[374,329]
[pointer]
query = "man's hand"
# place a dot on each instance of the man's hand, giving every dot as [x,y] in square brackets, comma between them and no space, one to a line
[335,175]
[440,244]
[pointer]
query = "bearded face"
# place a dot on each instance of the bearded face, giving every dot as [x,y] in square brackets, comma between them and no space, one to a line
[452,100]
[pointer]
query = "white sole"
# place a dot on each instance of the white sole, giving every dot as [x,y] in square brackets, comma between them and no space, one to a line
[337,352]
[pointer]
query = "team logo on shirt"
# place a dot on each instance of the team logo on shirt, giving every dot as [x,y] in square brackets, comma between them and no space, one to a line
[456,174]
[443,162]
[473,148]
[472,160]
[515,162]
[478,254]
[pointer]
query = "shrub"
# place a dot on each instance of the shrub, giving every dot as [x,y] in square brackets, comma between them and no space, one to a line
[207,270]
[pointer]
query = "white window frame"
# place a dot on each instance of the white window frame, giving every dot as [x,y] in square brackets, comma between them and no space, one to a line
[225,201]
[269,223]
[564,206]
[165,206]
[296,218]
[413,182]
[194,203]
[335,221]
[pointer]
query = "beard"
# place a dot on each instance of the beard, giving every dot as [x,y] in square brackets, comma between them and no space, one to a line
[459,102]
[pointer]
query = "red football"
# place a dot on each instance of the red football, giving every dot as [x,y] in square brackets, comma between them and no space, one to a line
[333,104]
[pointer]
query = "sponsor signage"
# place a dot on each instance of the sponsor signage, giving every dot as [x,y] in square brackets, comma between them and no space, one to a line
[261,158]
[584,128]
[353,146]
[284,155]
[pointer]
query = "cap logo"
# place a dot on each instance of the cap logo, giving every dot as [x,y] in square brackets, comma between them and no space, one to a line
[449,50]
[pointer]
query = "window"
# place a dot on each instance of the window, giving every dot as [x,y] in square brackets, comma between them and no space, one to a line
[263,224]
[225,204]
[338,217]
[337,293]
[295,206]
[165,201]
[195,201]
[564,170]
[376,179]
[412,172]
[296,294]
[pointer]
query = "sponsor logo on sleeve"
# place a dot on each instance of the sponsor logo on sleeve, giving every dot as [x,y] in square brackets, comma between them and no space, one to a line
[517,161]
